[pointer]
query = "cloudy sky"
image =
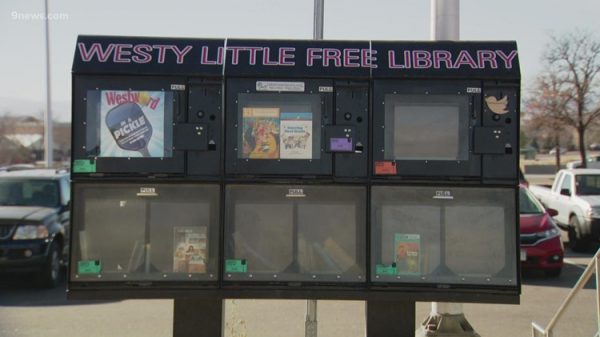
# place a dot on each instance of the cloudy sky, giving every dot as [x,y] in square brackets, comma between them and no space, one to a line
[22,58]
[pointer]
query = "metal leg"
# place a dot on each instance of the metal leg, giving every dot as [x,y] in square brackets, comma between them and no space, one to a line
[310,326]
[390,318]
[197,318]
[446,319]
[597,267]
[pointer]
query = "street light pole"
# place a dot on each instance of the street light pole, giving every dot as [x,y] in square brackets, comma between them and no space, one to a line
[310,326]
[48,141]
[445,319]
[318,20]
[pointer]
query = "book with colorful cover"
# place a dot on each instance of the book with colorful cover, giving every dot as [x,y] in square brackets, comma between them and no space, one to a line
[407,254]
[296,135]
[260,133]
[190,246]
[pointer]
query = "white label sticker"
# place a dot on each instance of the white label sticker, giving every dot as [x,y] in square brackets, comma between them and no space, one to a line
[473,90]
[325,89]
[147,192]
[446,195]
[177,86]
[280,86]
[295,193]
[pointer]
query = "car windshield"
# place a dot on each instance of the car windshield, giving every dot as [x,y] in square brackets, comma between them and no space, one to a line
[32,192]
[528,204]
[587,184]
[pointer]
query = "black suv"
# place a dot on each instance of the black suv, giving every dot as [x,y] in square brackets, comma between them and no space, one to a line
[34,223]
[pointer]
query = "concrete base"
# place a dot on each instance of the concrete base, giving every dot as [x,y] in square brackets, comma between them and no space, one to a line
[446,325]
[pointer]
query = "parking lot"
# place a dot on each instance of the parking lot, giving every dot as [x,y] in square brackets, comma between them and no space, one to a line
[28,312]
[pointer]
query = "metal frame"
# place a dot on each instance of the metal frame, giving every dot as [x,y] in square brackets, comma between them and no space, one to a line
[235,166]
[390,283]
[361,254]
[174,165]
[214,231]
[198,306]
[366,290]
[432,169]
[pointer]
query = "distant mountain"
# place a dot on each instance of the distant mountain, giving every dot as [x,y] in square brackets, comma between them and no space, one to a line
[61,110]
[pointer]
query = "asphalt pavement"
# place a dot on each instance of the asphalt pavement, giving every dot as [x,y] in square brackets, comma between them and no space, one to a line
[29,312]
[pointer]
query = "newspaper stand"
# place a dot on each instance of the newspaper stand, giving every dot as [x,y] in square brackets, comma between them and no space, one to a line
[348,170]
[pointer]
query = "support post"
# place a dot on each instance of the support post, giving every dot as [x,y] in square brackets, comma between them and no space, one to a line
[318,20]
[197,318]
[310,325]
[445,319]
[597,262]
[445,20]
[48,129]
[390,318]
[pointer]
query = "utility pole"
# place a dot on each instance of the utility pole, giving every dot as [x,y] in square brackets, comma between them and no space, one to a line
[310,326]
[318,20]
[48,139]
[446,319]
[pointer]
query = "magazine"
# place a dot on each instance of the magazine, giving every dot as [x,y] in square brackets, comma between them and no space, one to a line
[132,123]
[407,254]
[296,135]
[190,246]
[260,133]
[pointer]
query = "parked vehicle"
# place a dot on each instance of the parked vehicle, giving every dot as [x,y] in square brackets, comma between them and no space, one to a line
[541,247]
[17,167]
[34,223]
[592,162]
[575,194]
[553,150]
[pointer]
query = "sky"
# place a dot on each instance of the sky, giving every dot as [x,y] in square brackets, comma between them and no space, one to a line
[22,51]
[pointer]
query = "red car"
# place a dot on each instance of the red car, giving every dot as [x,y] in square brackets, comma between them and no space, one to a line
[541,247]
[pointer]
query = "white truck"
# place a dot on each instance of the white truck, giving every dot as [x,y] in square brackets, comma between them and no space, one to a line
[575,194]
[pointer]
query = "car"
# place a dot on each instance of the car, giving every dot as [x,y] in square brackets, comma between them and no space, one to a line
[17,167]
[541,245]
[575,194]
[34,223]
[553,150]
[592,162]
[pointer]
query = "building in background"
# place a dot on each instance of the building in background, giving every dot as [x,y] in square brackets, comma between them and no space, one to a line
[22,140]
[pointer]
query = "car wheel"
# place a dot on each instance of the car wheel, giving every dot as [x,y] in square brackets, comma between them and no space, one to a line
[553,272]
[577,242]
[51,272]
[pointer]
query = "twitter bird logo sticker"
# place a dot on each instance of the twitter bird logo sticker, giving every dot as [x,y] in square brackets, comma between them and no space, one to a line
[498,106]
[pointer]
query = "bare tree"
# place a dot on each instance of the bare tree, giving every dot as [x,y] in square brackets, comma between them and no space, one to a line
[572,63]
[545,108]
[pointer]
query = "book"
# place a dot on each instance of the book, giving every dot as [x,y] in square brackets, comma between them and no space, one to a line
[260,133]
[341,258]
[407,254]
[331,266]
[296,135]
[190,246]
